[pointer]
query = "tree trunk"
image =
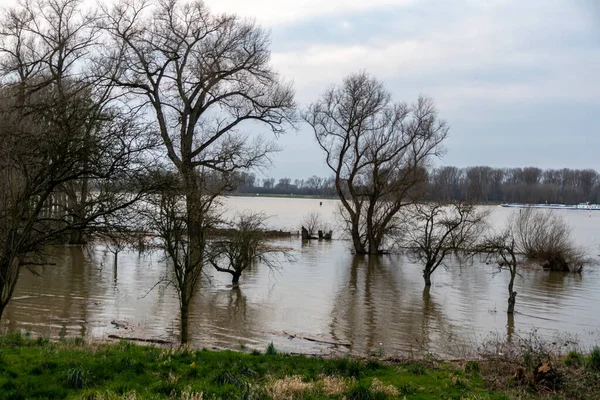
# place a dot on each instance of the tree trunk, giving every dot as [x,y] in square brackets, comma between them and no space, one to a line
[235,279]
[305,235]
[512,295]
[359,248]
[373,246]
[184,309]
[195,215]
[511,302]
[75,199]
[427,277]
[77,237]
[510,327]
[115,269]
[9,274]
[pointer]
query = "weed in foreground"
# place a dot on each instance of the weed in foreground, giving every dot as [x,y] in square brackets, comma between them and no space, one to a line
[471,366]
[417,369]
[574,359]
[594,360]
[271,350]
[361,392]
[77,378]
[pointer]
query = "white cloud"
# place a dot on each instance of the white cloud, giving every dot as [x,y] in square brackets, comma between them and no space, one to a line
[277,12]
[459,60]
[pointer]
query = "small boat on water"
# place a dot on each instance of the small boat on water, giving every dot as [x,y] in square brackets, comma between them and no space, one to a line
[580,206]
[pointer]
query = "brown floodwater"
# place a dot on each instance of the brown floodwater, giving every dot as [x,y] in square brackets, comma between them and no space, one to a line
[375,305]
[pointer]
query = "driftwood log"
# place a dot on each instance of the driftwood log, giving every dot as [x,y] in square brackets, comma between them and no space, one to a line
[317,340]
[140,339]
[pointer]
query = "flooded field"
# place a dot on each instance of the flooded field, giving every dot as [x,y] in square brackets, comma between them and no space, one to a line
[364,305]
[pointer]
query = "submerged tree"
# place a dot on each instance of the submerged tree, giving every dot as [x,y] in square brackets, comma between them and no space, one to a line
[243,246]
[170,222]
[56,132]
[378,151]
[545,237]
[436,229]
[165,215]
[501,249]
[205,78]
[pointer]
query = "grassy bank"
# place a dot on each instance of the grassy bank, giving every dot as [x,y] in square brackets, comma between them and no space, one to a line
[39,369]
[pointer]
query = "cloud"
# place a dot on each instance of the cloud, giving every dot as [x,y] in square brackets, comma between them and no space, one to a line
[277,12]
[488,54]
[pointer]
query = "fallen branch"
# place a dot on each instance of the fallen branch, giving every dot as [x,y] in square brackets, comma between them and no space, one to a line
[138,339]
[316,340]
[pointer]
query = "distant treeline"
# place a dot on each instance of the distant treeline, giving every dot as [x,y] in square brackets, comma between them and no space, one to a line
[480,184]
[313,186]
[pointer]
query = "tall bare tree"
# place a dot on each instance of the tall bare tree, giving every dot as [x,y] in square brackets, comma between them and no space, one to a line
[58,130]
[378,151]
[205,78]
[47,46]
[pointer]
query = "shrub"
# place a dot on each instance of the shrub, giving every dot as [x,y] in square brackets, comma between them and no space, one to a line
[545,238]
[594,360]
[574,359]
[77,378]
[471,366]
[271,350]
[417,369]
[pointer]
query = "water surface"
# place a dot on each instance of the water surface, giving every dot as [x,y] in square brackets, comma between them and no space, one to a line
[376,305]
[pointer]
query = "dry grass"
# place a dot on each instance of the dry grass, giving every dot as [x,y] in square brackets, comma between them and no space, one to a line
[388,390]
[534,367]
[132,395]
[288,388]
[335,385]
[187,394]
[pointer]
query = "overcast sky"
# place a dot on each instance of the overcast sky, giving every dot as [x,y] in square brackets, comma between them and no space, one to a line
[518,81]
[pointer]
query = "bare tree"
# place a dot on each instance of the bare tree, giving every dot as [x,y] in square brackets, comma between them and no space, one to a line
[311,223]
[436,229]
[203,77]
[378,151]
[545,237]
[501,249]
[56,131]
[243,246]
[48,46]
[166,216]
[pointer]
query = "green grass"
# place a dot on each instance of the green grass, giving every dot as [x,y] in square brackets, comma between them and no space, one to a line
[39,369]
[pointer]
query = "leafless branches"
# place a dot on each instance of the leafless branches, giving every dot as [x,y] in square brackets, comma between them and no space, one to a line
[378,151]
[244,245]
[545,237]
[435,229]
[502,250]
[205,78]
[69,154]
